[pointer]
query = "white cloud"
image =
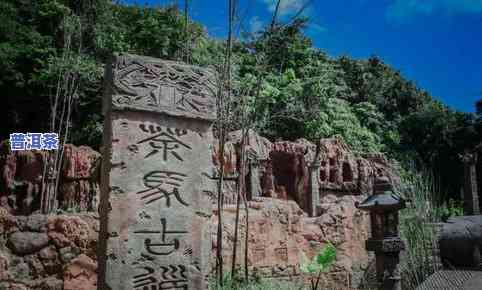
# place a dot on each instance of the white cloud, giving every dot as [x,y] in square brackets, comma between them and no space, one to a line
[255,24]
[403,10]
[286,7]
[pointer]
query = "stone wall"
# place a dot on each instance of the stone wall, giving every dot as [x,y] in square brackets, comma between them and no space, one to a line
[281,225]
[280,232]
[48,252]
[23,182]
[58,251]
[283,168]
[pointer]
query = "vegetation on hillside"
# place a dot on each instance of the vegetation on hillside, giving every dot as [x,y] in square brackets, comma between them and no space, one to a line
[303,92]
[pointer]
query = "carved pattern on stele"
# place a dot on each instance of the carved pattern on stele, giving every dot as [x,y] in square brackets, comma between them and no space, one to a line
[155,208]
[148,84]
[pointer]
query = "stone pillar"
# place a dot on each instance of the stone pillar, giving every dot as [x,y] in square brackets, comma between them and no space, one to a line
[154,212]
[387,257]
[314,199]
[471,194]
[254,179]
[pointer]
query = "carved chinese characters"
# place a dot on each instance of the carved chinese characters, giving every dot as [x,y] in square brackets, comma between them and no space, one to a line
[154,209]
[173,277]
[165,142]
[157,183]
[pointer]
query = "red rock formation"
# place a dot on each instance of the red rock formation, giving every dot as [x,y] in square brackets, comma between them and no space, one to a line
[290,169]
[284,167]
[22,179]
[74,231]
[81,274]
[280,233]
[280,229]
[48,252]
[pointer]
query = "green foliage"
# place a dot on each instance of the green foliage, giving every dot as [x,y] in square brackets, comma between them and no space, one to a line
[279,111]
[338,118]
[429,129]
[157,32]
[303,93]
[256,284]
[417,227]
[449,209]
[33,42]
[320,263]
[284,47]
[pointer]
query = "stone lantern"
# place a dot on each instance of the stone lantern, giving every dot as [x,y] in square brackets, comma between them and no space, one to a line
[383,207]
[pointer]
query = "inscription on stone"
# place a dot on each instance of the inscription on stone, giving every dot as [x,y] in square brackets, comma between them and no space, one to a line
[170,277]
[162,184]
[165,246]
[151,85]
[281,254]
[166,143]
[259,255]
[158,117]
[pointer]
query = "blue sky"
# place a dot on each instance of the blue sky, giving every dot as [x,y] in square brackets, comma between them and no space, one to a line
[435,43]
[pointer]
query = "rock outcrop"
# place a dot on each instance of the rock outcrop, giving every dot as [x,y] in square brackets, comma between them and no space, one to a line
[283,168]
[48,252]
[460,242]
[59,251]
[282,224]
[280,233]
[25,176]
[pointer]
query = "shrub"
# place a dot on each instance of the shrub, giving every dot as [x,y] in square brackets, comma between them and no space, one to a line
[320,263]
[237,283]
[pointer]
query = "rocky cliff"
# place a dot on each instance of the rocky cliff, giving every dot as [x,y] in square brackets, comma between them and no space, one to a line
[296,206]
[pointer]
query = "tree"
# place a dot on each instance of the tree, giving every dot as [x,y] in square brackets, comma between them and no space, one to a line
[337,118]
[320,264]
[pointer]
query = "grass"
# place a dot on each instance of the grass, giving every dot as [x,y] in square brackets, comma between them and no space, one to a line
[417,229]
[256,284]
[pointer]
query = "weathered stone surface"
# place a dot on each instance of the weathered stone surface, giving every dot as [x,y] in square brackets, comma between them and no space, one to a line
[22,175]
[74,231]
[81,168]
[157,141]
[48,253]
[14,286]
[50,260]
[152,85]
[36,267]
[68,253]
[27,242]
[460,241]
[20,270]
[51,284]
[4,263]
[470,192]
[81,274]
[8,223]
[280,231]
[32,259]
[284,169]
[286,181]
[33,223]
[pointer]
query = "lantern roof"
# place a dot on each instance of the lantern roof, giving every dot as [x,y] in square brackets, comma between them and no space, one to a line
[387,201]
[383,199]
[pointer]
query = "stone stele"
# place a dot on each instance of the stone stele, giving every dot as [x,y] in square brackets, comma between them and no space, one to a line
[154,209]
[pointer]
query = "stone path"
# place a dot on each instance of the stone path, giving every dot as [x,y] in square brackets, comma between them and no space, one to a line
[451,280]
